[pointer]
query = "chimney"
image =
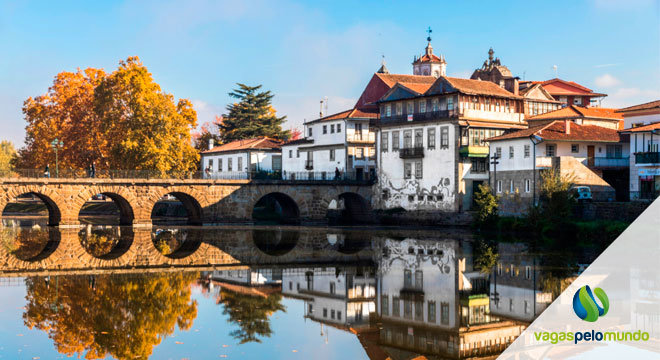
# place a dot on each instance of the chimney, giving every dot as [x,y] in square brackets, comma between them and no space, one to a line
[567,126]
[210,144]
[516,85]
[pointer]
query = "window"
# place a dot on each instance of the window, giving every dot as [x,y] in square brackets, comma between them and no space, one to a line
[385,305]
[220,164]
[290,154]
[444,313]
[614,151]
[396,307]
[332,314]
[510,152]
[407,139]
[338,315]
[297,153]
[310,308]
[395,141]
[418,169]
[229,165]
[419,138]
[332,287]
[338,128]
[422,106]
[444,137]
[527,185]
[419,311]
[430,141]
[240,164]
[325,312]
[511,186]
[309,131]
[407,170]
[498,152]
[410,107]
[388,110]
[407,278]
[499,186]
[325,129]
[419,280]
[434,104]
[450,103]
[210,166]
[359,153]
[399,108]
[431,312]
[384,137]
[577,101]
[575,148]
[527,151]
[499,269]
[332,154]
[407,309]
[526,307]
[528,272]
[479,166]
[510,304]
[550,150]
[332,128]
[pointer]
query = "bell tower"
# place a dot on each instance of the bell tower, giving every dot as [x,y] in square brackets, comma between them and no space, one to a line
[429,64]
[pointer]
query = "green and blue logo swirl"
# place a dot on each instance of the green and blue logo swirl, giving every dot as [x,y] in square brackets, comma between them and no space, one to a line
[585,305]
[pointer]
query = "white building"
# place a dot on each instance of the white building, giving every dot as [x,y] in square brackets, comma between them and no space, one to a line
[431,141]
[247,276]
[585,153]
[241,159]
[644,161]
[341,142]
[642,114]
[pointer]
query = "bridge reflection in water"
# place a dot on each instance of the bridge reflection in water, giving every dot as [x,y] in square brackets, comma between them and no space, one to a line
[119,291]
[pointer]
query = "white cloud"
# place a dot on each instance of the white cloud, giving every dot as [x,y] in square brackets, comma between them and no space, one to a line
[607,81]
[206,112]
[623,97]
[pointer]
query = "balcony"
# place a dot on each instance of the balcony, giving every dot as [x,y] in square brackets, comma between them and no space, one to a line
[361,139]
[411,153]
[309,164]
[474,151]
[605,162]
[419,117]
[647,158]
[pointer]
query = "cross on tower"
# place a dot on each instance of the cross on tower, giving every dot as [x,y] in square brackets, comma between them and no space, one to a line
[429,31]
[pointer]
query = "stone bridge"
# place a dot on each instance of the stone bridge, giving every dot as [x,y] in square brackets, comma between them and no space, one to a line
[206,201]
[63,251]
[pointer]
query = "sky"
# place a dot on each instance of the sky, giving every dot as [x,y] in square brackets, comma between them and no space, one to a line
[304,51]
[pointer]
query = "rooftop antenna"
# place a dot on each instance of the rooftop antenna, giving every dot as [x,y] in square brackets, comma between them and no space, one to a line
[323,106]
[554,68]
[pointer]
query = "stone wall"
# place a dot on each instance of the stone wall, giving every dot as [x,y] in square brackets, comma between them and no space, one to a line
[623,211]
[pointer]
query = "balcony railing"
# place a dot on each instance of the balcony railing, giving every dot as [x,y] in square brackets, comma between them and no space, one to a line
[647,158]
[410,153]
[605,162]
[309,164]
[425,116]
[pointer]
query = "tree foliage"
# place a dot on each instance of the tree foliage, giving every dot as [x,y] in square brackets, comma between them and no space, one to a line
[487,205]
[7,156]
[207,132]
[108,315]
[556,200]
[485,256]
[121,120]
[251,313]
[252,116]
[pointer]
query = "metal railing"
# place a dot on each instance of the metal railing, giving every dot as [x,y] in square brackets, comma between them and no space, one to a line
[350,177]
[607,162]
[647,157]
[412,152]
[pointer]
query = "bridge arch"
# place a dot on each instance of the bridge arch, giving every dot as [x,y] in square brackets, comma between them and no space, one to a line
[163,209]
[106,243]
[54,204]
[349,208]
[276,207]
[275,242]
[31,244]
[120,196]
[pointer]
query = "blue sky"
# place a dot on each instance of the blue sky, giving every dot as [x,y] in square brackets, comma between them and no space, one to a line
[304,51]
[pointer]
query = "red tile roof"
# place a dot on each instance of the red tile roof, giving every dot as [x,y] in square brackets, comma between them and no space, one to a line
[646,106]
[416,87]
[556,131]
[643,128]
[263,143]
[579,112]
[428,58]
[478,87]
[557,87]
[392,79]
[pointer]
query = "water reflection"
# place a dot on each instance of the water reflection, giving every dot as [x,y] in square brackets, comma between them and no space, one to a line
[105,315]
[401,293]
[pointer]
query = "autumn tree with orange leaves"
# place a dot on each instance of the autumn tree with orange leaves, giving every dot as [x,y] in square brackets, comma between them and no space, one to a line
[121,120]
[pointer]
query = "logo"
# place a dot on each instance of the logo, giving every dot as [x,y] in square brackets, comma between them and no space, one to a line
[585,305]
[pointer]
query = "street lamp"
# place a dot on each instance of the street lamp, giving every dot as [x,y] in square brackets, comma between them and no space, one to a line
[535,139]
[56,144]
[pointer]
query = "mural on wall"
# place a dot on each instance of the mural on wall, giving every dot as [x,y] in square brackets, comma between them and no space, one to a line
[413,254]
[436,197]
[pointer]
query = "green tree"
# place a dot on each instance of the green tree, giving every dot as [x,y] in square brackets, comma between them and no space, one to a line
[556,200]
[251,313]
[252,116]
[108,315]
[485,256]
[487,205]
[7,156]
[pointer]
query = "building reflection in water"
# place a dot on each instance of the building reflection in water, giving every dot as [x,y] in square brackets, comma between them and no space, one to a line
[408,297]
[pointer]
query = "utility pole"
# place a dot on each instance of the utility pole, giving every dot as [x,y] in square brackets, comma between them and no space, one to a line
[494,161]
[56,144]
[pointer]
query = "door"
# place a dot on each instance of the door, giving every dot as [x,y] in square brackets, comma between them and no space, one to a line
[590,155]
